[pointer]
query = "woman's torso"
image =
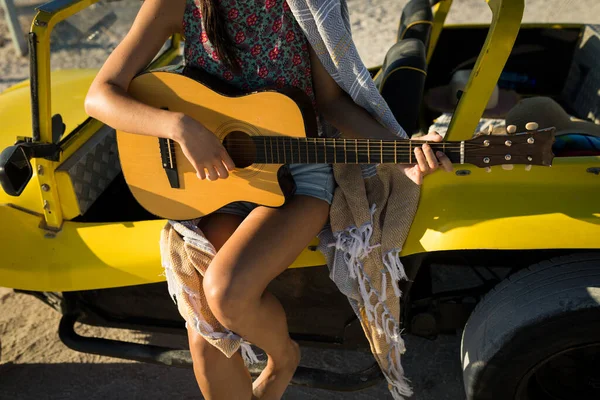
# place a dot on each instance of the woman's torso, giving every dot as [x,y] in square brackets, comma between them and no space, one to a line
[270,46]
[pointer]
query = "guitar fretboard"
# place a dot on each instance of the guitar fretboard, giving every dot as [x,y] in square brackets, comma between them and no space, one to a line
[287,150]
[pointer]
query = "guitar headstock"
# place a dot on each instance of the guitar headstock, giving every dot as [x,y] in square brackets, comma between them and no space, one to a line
[532,147]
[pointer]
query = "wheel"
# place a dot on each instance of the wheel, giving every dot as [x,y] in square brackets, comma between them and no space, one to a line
[536,336]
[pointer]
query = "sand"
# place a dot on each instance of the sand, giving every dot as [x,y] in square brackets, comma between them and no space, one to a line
[34,364]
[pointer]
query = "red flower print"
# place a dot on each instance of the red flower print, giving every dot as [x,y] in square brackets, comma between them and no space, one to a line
[304,47]
[273,54]
[309,91]
[239,62]
[290,36]
[286,6]
[256,50]
[270,4]
[240,37]
[263,72]
[203,37]
[233,14]
[201,61]
[228,75]
[215,55]
[280,82]
[296,60]
[307,71]
[296,82]
[196,13]
[251,20]
[277,25]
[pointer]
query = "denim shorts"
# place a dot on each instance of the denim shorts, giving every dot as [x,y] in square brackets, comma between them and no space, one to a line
[314,180]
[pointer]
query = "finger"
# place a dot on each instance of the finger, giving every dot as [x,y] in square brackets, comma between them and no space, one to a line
[432,161]
[222,170]
[211,173]
[446,163]
[435,137]
[229,164]
[199,171]
[414,174]
[421,160]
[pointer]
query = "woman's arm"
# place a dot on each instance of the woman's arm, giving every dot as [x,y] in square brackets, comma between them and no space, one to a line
[108,101]
[353,121]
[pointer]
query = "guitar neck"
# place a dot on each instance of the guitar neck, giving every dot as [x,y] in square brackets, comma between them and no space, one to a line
[289,150]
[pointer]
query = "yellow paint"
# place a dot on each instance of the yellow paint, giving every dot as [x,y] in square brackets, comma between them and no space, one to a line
[506,21]
[85,255]
[544,208]
[440,12]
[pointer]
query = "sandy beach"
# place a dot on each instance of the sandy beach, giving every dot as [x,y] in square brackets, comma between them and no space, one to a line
[34,364]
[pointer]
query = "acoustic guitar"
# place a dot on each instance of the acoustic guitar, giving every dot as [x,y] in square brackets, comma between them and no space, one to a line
[263,131]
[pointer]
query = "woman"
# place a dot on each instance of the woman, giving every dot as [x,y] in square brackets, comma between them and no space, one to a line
[250,44]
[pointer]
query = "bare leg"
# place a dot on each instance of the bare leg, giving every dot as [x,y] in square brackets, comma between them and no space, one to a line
[218,377]
[262,247]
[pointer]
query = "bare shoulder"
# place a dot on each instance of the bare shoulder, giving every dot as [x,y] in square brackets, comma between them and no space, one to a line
[165,14]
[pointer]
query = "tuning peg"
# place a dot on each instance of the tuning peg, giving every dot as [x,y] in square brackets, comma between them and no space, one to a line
[511,129]
[532,126]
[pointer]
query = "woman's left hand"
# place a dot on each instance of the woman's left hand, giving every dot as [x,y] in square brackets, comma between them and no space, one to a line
[427,161]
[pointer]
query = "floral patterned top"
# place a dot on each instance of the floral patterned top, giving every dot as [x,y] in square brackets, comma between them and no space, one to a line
[271,47]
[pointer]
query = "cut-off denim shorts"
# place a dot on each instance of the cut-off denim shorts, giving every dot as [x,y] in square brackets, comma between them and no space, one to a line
[315,180]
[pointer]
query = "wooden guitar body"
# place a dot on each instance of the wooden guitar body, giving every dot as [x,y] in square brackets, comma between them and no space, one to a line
[265,113]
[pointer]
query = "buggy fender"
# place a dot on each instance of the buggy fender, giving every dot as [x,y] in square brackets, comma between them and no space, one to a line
[509,208]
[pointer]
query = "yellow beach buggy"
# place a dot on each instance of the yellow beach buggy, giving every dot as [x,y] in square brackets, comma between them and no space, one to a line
[506,254]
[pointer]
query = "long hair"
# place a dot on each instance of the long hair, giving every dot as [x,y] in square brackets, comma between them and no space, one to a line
[215,25]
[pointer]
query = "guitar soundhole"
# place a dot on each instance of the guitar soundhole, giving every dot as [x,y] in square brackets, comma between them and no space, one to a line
[241,149]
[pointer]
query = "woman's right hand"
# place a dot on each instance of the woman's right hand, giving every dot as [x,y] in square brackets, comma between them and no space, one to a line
[202,148]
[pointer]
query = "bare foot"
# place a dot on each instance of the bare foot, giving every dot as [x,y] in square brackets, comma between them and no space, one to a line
[275,378]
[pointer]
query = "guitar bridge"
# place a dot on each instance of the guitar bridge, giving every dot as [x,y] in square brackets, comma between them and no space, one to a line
[169,163]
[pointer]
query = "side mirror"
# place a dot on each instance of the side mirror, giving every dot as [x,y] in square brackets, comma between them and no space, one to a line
[15,170]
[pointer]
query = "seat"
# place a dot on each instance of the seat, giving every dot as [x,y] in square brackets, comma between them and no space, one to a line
[416,21]
[401,81]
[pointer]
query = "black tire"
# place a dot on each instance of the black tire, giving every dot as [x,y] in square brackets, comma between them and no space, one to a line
[536,335]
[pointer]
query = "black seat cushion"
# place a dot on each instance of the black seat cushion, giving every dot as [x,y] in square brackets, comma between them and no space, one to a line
[402,81]
[416,21]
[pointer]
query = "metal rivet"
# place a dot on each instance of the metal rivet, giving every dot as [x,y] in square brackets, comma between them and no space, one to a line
[45,187]
[531,140]
[507,157]
[508,143]
[532,126]
[486,142]
[40,170]
[529,158]
[486,160]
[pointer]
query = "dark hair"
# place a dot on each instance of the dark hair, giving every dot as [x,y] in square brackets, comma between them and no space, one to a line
[216,31]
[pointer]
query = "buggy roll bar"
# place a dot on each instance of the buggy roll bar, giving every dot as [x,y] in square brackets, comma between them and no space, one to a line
[504,28]
[47,17]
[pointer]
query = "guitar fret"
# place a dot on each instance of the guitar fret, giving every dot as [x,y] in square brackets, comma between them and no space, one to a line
[307,156]
[381,151]
[356,149]
[368,151]
[395,153]
[345,153]
[410,151]
[334,152]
